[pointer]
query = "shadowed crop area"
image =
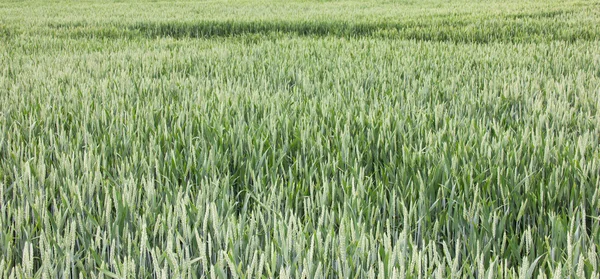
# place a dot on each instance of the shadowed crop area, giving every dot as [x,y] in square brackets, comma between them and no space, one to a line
[300,139]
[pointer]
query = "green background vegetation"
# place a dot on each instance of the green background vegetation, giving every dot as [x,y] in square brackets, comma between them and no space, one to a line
[337,139]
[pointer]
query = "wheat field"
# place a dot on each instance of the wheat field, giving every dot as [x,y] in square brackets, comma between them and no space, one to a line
[300,139]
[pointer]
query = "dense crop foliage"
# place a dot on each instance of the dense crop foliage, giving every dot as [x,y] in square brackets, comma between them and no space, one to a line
[399,139]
